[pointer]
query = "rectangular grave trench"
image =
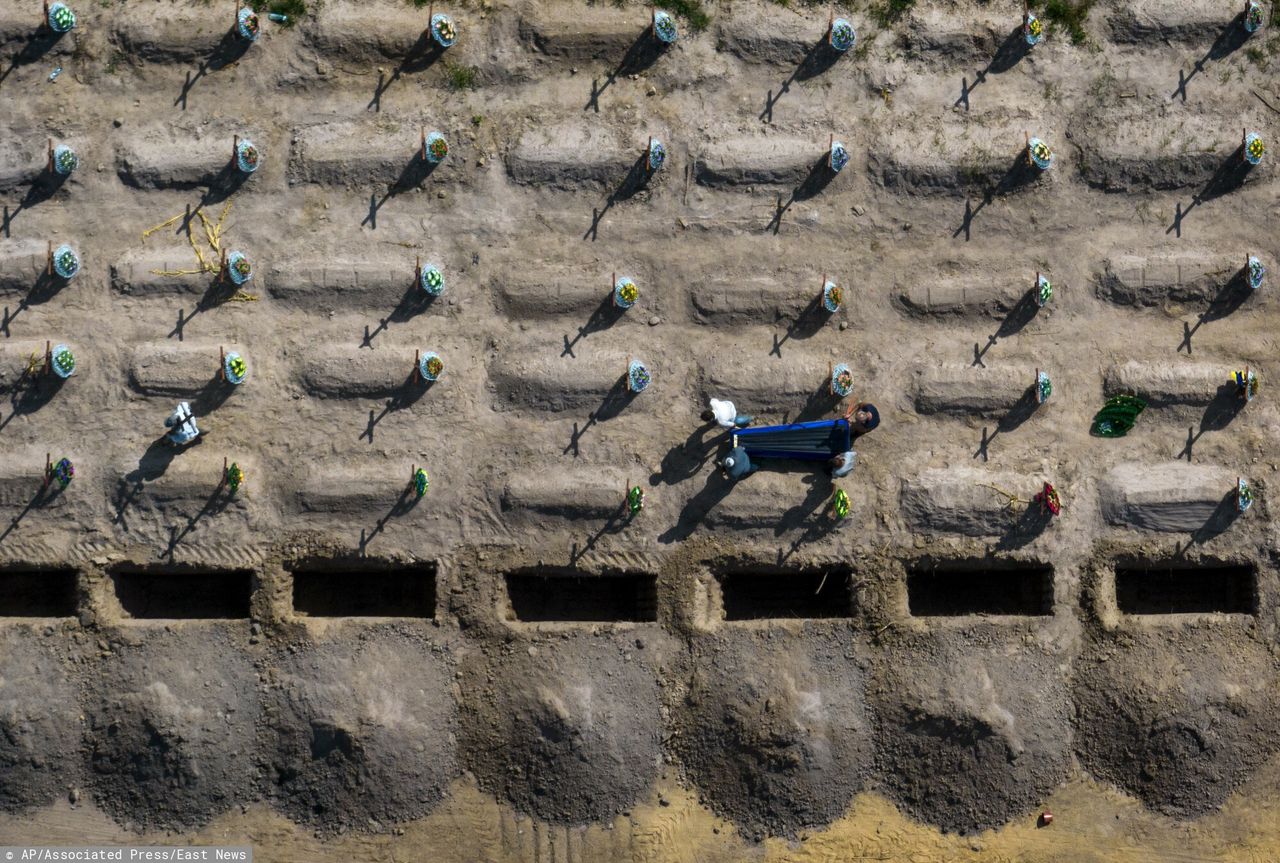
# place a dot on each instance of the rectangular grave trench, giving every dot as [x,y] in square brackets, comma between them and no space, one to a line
[1211,588]
[382,591]
[962,590]
[769,594]
[569,596]
[184,594]
[37,592]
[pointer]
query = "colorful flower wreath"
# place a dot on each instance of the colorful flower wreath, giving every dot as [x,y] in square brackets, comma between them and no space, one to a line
[64,471]
[1253,17]
[239,268]
[1041,155]
[247,156]
[1256,272]
[1044,291]
[235,368]
[839,156]
[840,501]
[66,263]
[638,376]
[832,297]
[664,27]
[841,380]
[65,159]
[1255,149]
[247,24]
[437,148]
[657,154]
[625,293]
[635,499]
[235,477]
[64,362]
[1244,496]
[443,30]
[842,35]
[432,280]
[1247,384]
[1044,387]
[421,482]
[431,366]
[1049,500]
[61,18]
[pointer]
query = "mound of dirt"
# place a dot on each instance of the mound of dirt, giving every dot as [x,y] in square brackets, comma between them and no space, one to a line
[364,731]
[970,735]
[570,730]
[775,730]
[39,725]
[1178,718]
[172,723]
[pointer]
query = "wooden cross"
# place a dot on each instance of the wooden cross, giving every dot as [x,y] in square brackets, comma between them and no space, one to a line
[417,358]
[49,262]
[48,357]
[235,18]
[50,155]
[648,153]
[831,377]
[48,469]
[223,273]
[423,143]
[235,148]
[831,23]
[222,362]
[1027,137]
[417,270]
[223,481]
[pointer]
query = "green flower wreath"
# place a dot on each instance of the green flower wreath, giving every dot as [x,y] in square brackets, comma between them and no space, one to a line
[421,482]
[635,499]
[235,477]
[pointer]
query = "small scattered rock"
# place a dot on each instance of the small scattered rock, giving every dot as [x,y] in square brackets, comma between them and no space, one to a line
[654,321]
[117,122]
[858,210]
[573,70]
[74,796]
[652,91]
[663,801]
[844,325]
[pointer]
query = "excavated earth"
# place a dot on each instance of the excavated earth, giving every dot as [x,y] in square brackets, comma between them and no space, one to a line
[513,667]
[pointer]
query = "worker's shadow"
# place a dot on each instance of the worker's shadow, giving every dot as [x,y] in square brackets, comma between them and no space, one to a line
[685,460]
[696,508]
[816,496]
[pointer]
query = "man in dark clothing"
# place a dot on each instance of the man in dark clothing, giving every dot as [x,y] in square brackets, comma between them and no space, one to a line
[737,465]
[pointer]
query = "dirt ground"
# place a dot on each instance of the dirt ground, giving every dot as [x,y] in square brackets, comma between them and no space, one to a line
[511,668]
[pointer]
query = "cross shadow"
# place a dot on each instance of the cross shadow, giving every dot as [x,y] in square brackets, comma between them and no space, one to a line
[636,180]
[808,323]
[1229,40]
[613,524]
[604,316]
[1229,176]
[218,291]
[211,396]
[1010,51]
[819,177]
[37,45]
[1022,313]
[214,504]
[684,460]
[1019,413]
[422,56]
[46,287]
[717,488]
[1218,414]
[43,187]
[1031,523]
[642,54]
[31,391]
[402,506]
[1222,517]
[415,173]
[413,302]
[817,59]
[820,402]
[615,401]
[225,184]
[406,396]
[45,494]
[1229,298]
[228,51]
[1017,176]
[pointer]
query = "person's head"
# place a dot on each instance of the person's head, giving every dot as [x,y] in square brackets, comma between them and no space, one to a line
[866,416]
[708,416]
[728,462]
[836,462]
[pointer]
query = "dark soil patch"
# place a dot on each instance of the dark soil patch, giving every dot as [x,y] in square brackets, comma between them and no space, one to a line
[1177,717]
[570,730]
[172,724]
[971,737]
[39,724]
[775,731]
[363,731]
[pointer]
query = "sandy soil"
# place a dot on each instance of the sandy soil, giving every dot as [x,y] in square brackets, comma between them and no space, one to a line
[510,668]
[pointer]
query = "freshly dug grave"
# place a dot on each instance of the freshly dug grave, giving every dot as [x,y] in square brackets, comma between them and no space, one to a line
[972,731]
[1180,717]
[172,719]
[774,730]
[363,729]
[39,723]
[567,730]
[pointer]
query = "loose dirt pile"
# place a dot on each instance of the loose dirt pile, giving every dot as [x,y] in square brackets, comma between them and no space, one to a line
[363,728]
[1179,717]
[173,719]
[774,730]
[970,736]
[40,724]
[568,730]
